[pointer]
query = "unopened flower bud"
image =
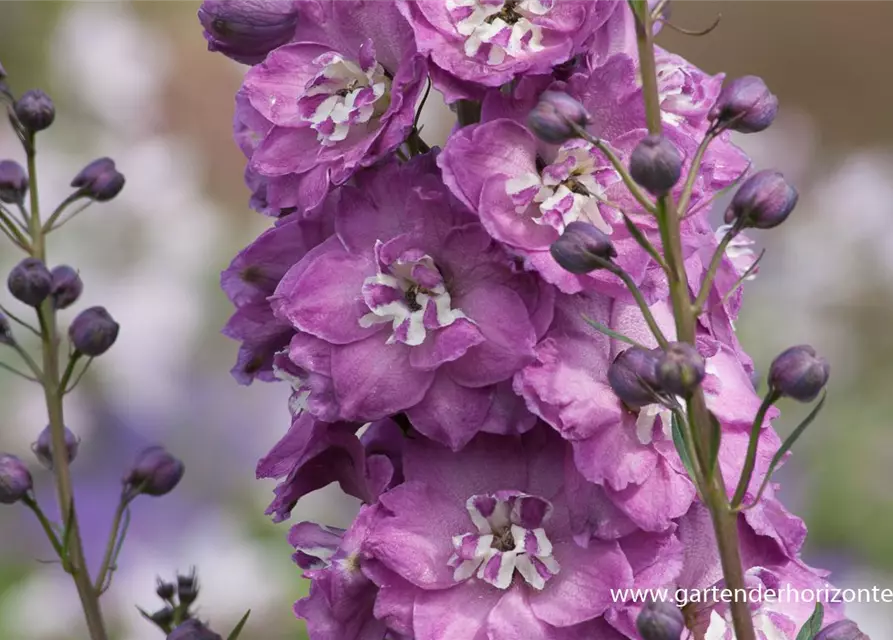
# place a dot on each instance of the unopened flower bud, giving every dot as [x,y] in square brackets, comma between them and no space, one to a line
[799,373]
[100,180]
[656,164]
[680,369]
[842,630]
[35,110]
[187,588]
[660,621]
[15,479]
[13,182]
[2,72]
[165,590]
[582,248]
[192,629]
[552,117]
[43,447]
[155,472]
[247,30]
[93,331]
[30,281]
[6,336]
[745,104]
[764,201]
[633,376]
[67,286]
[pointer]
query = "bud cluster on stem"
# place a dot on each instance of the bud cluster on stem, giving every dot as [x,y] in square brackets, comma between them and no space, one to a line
[672,373]
[92,333]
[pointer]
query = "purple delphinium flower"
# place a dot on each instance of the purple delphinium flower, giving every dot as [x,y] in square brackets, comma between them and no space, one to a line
[341,601]
[412,307]
[332,104]
[475,44]
[486,531]
[630,451]
[313,454]
[770,543]
[526,192]
[250,279]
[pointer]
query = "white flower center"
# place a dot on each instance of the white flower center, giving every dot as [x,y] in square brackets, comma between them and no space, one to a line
[502,27]
[410,293]
[567,189]
[343,94]
[509,537]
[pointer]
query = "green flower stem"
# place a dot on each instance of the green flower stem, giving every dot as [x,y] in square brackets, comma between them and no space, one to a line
[35,369]
[688,187]
[640,300]
[53,396]
[725,521]
[51,221]
[750,459]
[112,544]
[19,321]
[704,293]
[31,503]
[11,229]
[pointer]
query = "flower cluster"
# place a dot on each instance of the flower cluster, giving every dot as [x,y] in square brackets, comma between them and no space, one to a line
[455,323]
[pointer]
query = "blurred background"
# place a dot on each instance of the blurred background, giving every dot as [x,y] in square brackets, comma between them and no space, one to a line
[133,81]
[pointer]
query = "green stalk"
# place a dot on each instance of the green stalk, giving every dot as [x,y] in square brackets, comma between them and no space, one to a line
[725,521]
[750,459]
[53,396]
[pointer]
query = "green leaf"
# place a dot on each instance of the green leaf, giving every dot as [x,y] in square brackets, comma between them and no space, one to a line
[682,448]
[813,625]
[598,326]
[235,632]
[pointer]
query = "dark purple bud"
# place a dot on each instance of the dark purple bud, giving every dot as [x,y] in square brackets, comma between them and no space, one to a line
[656,164]
[43,448]
[99,180]
[6,336]
[15,479]
[67,286]
[155,472]
[247,30]
[163,617]
[799,373]
[765,200]
[660,621]
[30,281]
[745,104]
[165,590]
[633,376]
[582,248]
[680,369]
[192,629]
[187,588]
[35,110]
[842,630]
[93,331]
[13,182]
[551,119]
